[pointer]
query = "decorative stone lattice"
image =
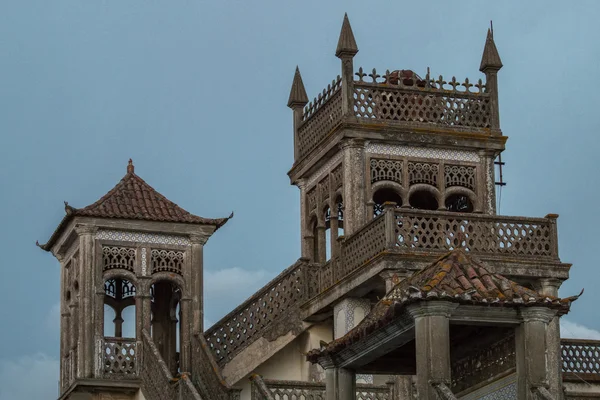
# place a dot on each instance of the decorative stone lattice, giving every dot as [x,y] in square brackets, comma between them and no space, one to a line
[167,261]
[323,189]
[422,152]
[431,102]
[502,389]
[386,170]
[419,172]
[123,287]
[311,198]
[118,258]
[330,165]
[300,390]
[311,108]
[477,233]
[120,357]
[484,364]
[581,356]
[318,124]
[459,175]
[362,246]
[247,322]
[337,177]
[142,237]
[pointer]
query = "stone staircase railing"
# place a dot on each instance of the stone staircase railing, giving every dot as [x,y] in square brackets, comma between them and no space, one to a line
[396,231]
[157,381]
[206,373]
[268,389]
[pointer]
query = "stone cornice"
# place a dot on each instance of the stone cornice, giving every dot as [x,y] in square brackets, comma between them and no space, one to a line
[432,308]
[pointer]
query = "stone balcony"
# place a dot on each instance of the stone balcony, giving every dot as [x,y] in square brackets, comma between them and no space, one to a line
[380,103]
[403,240]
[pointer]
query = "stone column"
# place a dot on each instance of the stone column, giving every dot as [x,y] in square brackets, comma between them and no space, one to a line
[321,243]
[355,202]
[305,245]
[197,282]
[333,232]
[185,353]
[487,183]
[531,349]
[87,320]
[432,336]
[340,384]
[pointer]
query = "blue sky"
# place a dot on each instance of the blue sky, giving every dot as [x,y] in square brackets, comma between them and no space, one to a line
[195,92]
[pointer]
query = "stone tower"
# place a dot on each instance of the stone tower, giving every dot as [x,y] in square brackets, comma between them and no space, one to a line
[132,248]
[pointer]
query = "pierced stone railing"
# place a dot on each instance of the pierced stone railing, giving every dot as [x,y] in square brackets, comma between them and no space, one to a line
[120,358]
[580,359]
[251,319]
[320,117]
[484,365]
[416,101]
[206,373]
[267,389]
[157,381]
[421,231]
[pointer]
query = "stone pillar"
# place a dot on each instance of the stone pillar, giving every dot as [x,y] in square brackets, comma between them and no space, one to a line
[487,183]
[402,387]
[531,349]
[185,353]
[333,232]
[355,202]
[88,321]
[197,282]
[321,243]
[340,384]
[432,336]
[305,246]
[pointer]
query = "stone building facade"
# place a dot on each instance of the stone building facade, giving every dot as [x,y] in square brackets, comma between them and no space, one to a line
[409,284]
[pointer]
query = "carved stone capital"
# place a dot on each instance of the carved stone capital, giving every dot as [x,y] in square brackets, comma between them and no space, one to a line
[198,239]
[82,229]
[301,183]
[353,143]
[540,314]
[432,308]
[550,286]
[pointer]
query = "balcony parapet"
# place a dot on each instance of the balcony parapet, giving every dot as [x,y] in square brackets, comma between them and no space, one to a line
[428,103]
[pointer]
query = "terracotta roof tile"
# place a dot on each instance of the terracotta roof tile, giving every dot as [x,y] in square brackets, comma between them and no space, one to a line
[455,277]
[133,198]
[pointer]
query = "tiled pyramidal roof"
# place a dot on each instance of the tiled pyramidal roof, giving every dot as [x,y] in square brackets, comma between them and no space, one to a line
[455,277]
[133,198]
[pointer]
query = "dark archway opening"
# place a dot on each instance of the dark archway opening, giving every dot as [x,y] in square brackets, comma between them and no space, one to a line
[423,200]
[382,196]
[166,320]
[459,203]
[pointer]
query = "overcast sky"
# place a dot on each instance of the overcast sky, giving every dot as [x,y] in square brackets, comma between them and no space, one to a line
[195,92]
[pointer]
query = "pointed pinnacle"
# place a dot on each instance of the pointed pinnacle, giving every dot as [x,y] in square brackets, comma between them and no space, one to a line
[490,58]
[346,44]
[298,95]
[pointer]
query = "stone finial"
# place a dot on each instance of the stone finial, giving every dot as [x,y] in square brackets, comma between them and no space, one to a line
[298,95]
[130,167]
[346,44]
[490,59]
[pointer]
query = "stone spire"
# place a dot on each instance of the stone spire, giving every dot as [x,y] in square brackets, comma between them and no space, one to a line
[491,58]
[346,44]
[298,95]
[130,167]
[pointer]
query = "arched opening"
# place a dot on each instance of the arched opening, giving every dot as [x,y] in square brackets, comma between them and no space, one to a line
[315,239]
[423,200]
[328,239]
[459,202]
[119,308]
[166,321]
[382,196]
[340,214]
